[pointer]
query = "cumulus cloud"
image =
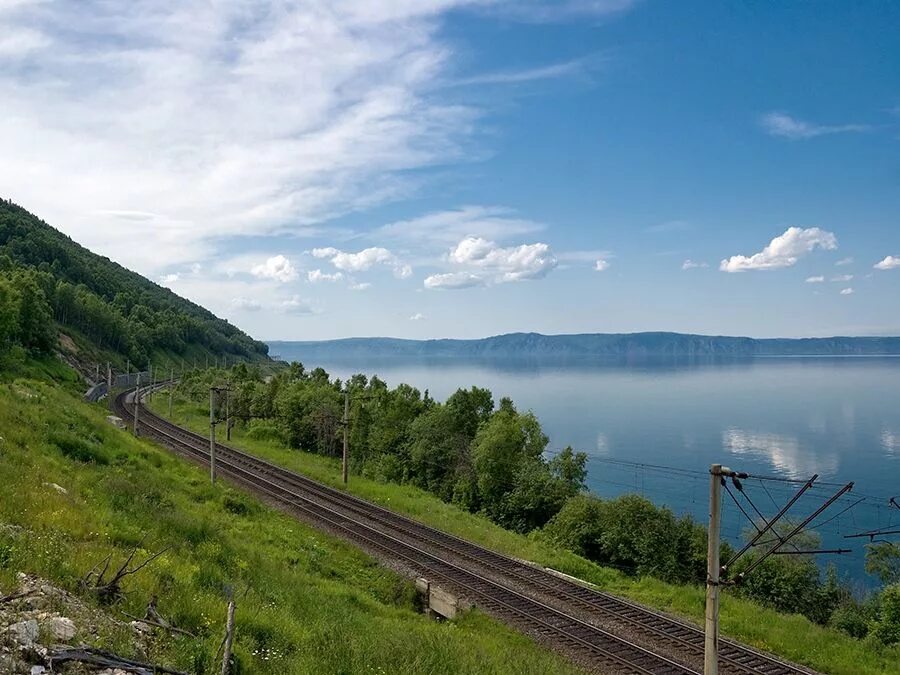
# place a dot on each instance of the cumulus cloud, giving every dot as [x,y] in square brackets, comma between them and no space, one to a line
[815,280]
[691,264]
[360,286]
[889,263]
[785,126]
[514,263]
[277,267]
[418,316]
[601,265]
[245,304]
[846,291]
[317,276]
[298,306]
[783,251]
[168,279]
[364,260]
[843,277]
[453,280]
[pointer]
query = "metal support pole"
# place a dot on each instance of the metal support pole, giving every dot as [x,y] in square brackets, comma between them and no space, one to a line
[137,401]
[108,376]
[228,414]
[711,650]
[212,435]
[171,389]
[346,435]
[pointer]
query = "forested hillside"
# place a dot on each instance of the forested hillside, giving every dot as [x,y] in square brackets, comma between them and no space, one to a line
[49,281]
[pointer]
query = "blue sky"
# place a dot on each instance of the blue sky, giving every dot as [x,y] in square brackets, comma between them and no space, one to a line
[472,167]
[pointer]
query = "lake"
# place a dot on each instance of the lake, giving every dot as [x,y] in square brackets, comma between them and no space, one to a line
[654,427]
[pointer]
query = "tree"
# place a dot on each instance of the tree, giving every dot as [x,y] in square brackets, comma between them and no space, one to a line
[883,560]
[502,444]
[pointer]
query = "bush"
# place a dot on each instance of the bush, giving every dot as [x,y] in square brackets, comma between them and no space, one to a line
[887,627]
[74,447]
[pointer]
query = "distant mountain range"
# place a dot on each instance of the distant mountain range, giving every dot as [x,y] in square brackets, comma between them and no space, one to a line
[587,345]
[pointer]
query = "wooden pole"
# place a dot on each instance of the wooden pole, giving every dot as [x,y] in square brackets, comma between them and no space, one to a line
[711,646]
[346,435]
[108,376]
[137,400]
[212,435]
[229,638]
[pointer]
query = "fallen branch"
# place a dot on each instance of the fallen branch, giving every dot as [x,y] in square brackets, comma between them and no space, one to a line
[16,596]
[229,638]
[151,622]
[99,657]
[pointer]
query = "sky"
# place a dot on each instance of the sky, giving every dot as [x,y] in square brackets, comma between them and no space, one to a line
[464,168]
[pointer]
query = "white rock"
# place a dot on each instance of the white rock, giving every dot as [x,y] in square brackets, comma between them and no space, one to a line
[62,628]
[25,632]
[38,670]
[59,488]
[141,627]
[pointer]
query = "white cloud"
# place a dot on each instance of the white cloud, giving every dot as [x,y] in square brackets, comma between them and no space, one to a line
[601,265]
[781,124]
[691,264]
[783,251]
[316,276]
[360,286]
[815,280]
[846,291]
[297,305]
[515,263]
[245,304]
[277,267]
[448,227]
[364,260]
[168,279]
[844,261]
[842,277]
[418,316]
[551,71]
[889,263]
[454,280]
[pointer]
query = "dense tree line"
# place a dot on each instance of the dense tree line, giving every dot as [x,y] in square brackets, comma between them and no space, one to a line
[114,307]
[491,459]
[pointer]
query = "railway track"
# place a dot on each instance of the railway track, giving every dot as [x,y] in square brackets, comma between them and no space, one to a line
[524,595]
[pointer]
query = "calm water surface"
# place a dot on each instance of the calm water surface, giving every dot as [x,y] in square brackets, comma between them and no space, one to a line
[786,418]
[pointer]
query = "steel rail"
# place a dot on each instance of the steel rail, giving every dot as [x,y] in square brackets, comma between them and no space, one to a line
[676,633]
[612,649]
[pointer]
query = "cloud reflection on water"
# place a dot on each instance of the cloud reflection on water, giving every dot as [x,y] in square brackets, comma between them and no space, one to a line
[784,452]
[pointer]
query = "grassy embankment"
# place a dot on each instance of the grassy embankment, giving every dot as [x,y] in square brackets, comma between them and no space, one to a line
[791,636]
[306,601]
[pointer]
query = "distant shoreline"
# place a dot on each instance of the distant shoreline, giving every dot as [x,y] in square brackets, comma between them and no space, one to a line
[596,345]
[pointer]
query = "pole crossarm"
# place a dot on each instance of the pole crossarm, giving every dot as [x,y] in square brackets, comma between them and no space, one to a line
[778,516]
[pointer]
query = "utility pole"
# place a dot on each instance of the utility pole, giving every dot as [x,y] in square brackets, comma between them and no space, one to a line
[711,649]
[137,397]
[128,366]
[346,434]
[171,389]
[212,435]
[108,376]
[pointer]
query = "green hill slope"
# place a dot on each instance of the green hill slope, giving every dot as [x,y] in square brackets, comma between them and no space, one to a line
[47,278]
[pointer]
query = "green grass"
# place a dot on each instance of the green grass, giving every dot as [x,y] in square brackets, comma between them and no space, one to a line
[791,636]
[307,602]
